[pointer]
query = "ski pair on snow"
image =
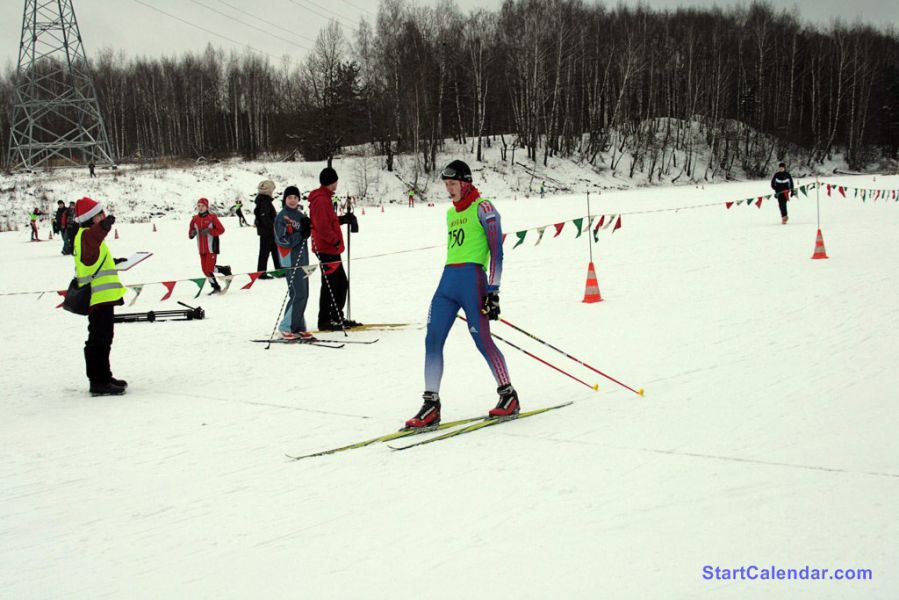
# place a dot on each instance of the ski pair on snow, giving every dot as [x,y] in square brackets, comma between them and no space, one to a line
[464,426]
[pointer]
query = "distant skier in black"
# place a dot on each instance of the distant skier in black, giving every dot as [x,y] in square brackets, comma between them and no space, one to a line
[91,167]
[782,184]
[265,227]
[59,223]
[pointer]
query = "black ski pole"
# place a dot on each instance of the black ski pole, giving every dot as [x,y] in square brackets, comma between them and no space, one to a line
[349,237]
[326,282]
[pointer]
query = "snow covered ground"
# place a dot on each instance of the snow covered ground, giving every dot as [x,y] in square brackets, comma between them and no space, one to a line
[767,435]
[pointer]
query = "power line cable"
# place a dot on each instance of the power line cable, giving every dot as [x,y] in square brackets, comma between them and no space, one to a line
[275,25]
[250,25]
[313,11]
[357,7]
[211,32]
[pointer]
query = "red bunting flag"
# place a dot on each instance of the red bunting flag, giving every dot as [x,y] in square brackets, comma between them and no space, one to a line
[758,203]
[842,192]
[828,189]
[602,219]
[170,286]
[504,239]
[253,278]
[559,227]
[617,225]
[63,294]
[728,204]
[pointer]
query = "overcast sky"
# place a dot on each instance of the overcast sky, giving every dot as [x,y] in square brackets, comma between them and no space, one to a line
[289,26]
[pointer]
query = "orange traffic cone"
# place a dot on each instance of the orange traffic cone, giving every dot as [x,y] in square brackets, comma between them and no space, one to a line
[117,233]
[154,227]
[363,210]
[819,247]
[382,208]
[591,294]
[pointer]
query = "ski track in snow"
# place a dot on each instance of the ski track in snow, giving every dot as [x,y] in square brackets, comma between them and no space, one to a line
[767,434]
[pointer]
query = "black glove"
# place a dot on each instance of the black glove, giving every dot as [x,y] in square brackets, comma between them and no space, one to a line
[119,260]
[490,306]
[305,226]
[108,222]
[349,219]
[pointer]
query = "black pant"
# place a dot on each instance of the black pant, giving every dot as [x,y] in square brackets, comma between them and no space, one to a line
[334,283]
[266,247]
[100,323]
[782,203]
[241,219]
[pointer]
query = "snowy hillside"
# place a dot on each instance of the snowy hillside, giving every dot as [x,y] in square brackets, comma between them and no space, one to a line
[140,193]
[767,435]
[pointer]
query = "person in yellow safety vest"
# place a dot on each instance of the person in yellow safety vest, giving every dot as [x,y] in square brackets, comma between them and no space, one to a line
[95,266]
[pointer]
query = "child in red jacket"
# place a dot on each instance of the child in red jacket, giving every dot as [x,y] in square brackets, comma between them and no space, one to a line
[207,228]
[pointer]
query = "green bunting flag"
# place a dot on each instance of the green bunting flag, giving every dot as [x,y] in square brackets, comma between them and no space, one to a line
[200,281]
[578,223]
[521,235]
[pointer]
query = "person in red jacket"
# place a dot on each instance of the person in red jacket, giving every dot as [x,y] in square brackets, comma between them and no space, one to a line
[327,244]
[207,228]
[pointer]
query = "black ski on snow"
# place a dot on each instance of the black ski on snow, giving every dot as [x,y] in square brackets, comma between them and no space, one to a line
[319,343]
[489,422]
[366,342]
[391,436]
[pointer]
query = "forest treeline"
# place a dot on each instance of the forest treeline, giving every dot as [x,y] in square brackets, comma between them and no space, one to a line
[543,77]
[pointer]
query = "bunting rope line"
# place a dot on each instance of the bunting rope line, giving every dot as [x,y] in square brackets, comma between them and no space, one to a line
[614,222]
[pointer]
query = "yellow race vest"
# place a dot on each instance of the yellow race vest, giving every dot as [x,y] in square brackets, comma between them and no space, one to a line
[466,239]
[102,275]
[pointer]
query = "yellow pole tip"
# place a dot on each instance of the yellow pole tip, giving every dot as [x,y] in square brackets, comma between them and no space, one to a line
[595,387]
[641,392]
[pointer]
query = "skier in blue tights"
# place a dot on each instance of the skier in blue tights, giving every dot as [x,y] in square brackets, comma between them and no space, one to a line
[470,281]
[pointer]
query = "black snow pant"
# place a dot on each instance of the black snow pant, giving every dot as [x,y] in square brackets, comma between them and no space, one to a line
[100,323]
[782,199]
[266,248]
[332,296]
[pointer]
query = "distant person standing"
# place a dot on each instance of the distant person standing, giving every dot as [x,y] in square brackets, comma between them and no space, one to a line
[71,229]
[327,243]
[92,168]
[292,230]
[59,225]
[265,227]
[782,184]
[412,198]
[542,188]
[206,228]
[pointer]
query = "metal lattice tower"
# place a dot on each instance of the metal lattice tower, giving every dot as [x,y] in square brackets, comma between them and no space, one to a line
[56,118]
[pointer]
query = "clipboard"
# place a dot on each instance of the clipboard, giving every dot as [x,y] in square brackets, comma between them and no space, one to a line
[134,259]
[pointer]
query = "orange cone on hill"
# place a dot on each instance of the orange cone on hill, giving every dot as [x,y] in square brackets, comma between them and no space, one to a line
[363,210]
[819,247]
[591,294]
[117,233]
[154,227]
[382,208]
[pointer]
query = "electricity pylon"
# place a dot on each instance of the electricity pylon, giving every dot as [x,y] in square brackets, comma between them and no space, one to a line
[56,118]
